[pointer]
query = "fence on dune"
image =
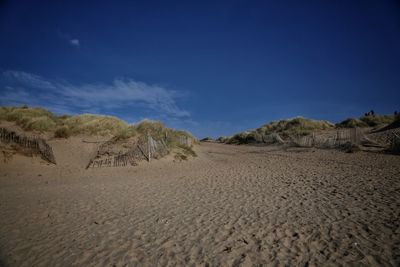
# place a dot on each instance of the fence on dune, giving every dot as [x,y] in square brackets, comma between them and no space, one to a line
[395,144]
[352,136]
[35,144]
[144,149]
[185,140]
[273,138]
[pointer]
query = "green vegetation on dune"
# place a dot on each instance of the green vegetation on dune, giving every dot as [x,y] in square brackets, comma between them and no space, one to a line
[367,121]
[351,123]
[302,126]
[296,126]
[395,124]
[42,120]
[29,119]
[285,128]
[94,124]
[158,131]
[378,120]
[62,132]
[154,128]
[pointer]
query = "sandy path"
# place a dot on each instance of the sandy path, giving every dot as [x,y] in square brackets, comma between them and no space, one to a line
[230,206]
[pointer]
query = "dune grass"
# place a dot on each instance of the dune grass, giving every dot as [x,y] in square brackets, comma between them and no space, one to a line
[378,120]
[367,121]
[302,126]
[62,132]
[42,120]
[91,124]
[296,126]
[30,119]
[395,124]
[285,128]
[154,128]
[64,126]
[351,123]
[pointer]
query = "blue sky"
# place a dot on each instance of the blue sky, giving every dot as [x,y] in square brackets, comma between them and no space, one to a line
[211,67]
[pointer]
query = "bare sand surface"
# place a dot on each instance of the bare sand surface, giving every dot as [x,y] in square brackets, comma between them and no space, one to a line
[230,206]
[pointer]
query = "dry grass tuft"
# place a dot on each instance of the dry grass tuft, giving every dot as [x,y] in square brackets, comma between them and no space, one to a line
[91,124]
[62,132]
[351,123]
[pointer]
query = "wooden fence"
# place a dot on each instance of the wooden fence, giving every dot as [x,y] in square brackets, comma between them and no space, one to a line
[185,140]
[395,144]
[144,149]
[344,136]
[273,138]
[35,144]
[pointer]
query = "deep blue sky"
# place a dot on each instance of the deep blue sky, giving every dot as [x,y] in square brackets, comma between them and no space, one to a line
[212,67]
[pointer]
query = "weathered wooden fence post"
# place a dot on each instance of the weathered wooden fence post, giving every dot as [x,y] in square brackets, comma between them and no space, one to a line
[148,146]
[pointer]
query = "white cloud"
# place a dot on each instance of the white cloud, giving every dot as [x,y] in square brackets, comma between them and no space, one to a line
[74,42]
[28,79]
[65,36]
[121,93]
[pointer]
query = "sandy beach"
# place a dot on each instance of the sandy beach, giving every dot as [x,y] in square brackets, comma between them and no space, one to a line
[199,133]
[230,206]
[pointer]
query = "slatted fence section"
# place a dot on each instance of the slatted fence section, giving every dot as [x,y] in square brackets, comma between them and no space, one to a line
[131,157]
[143,150]
[36,144]
[273,138]
[185,140]
[353,136]
[395,144]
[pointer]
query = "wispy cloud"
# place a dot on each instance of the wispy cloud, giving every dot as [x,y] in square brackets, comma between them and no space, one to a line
[28,88]
[66,36]
[74,42]
[25,78]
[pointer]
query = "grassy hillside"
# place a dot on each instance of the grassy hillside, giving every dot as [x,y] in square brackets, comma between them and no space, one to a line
[44,121]
[296,126]
[351,123]
[121,133]
[93,124]
[285,128]
[29,119]
[156,129]
[367,121]
[303,126]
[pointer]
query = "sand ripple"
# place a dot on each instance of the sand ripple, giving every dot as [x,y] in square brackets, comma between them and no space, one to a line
[231,206]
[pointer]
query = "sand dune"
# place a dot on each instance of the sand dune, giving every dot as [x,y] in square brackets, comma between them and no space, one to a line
[230,206]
